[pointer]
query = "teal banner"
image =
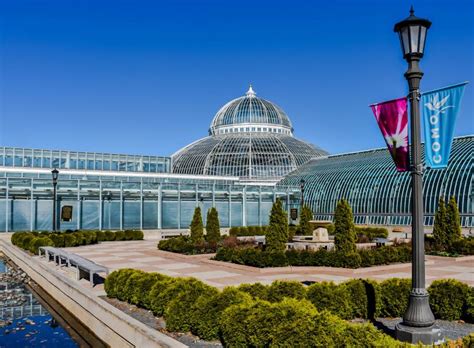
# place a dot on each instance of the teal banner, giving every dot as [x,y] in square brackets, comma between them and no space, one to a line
[439,111]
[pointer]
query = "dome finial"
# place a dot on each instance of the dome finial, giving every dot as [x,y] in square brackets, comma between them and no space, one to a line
[250,92]
[412,11]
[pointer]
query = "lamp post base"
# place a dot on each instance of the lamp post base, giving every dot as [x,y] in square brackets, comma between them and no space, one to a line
[426,335]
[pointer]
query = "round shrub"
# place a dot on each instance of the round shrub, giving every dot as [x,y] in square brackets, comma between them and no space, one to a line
[24,242]
[357,291]
[37,242]
[70,240]
[179,312]
[80,238]
[281,289]
[141,294]
[365,335]
[100,235]
[207,311]
[394,295]
[89,237]
[158,299]
[448,298]
[138,235]
[331,297]
[109,284]
[120,235]
[109,236]
[122,278]
[469,309]
[58,239]
[256,290]
[131,284]
[128,234]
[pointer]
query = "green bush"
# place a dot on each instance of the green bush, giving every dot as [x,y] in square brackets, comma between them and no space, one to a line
[256,290]
[138,235]
[304,228]
[117,288]
[448,298]
[277,234]
[207,311]
[157,305]
[197,227]
[213,229]
[186,245]
[110,282]
[169,292]
[128,234]
[70,240]
[37,242]
[331,297]
[344,233]
[359,301]
[281,289]
[179,312]
[119,235]
[100,235]
[453,223]
[109,236]
[371,232]
[394,295]
[58,239]
[141,296]
[131,286]
[469,307]
[25,241]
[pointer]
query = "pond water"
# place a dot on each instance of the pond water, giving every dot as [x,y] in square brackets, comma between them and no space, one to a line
[24,322]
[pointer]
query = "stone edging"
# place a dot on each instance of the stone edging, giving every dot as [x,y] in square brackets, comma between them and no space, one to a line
[111,325]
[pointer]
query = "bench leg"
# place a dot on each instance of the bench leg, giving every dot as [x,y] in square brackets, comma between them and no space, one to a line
[91,278]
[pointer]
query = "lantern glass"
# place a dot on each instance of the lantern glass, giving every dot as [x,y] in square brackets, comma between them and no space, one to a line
[414,39]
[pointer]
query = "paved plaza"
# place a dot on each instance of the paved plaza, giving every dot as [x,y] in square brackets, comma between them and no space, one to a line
[144,255]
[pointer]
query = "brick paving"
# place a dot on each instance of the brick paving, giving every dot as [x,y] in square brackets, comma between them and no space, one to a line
[144,255]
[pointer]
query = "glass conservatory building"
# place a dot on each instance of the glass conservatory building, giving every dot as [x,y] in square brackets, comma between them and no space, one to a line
[378,194]
[109,191]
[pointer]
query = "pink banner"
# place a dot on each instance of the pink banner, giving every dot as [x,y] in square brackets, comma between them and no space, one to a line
[392,118]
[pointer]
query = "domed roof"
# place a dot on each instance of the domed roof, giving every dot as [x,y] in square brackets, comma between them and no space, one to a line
[262,156]
[250,114]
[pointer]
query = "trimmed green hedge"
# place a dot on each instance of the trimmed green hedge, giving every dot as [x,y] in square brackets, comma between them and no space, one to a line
[31,241]
[247,231]
[186,245]
[283,313]
[256,257]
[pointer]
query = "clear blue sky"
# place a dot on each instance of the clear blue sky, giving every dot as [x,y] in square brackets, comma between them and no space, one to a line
[146,77]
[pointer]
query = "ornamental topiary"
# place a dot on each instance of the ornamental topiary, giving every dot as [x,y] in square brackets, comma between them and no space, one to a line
[120,288]
[440,226]
[109,236]
[129,234]
[448,298]
[304,227]
[114,282]
[278,290]
[141,296]
[157,303]
[213,228]
[344,233]
[119,235]
[207,311]
[196,227]
[138,235]
[277,233]
[331,297]
[180,310]
[394,295]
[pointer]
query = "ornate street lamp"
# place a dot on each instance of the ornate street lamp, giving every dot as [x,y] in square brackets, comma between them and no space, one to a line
[302,181]
[418,320]
[55,174]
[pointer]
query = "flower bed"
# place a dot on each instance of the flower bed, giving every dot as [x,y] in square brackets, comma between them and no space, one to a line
[31,241]
[283,313]
[256,257]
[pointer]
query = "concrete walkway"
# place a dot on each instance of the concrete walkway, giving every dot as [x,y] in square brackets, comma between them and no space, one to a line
[144,255]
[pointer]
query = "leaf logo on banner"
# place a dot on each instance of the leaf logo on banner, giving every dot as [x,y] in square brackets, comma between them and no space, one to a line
[435,105]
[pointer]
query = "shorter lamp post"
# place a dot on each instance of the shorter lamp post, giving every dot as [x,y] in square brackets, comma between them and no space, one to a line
[302,182]
[418,320]
[55,174]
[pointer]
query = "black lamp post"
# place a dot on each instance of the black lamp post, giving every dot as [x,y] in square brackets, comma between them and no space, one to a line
[302,181]
[55,174]
[418,320]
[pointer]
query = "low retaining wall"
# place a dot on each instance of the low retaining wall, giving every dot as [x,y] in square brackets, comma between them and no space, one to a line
[110,324]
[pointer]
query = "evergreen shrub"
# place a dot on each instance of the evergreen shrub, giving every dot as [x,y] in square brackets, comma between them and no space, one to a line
[448,298]
[394,295]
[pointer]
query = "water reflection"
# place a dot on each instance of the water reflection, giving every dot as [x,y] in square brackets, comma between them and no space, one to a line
[24,322]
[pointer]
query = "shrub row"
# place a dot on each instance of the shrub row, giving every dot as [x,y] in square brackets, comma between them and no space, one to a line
[31,241]
[245,231]
[252,256]
[234,316]
[186,245]
[461,246]
[284,313]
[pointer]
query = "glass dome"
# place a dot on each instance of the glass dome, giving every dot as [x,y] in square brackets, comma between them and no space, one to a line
[250,114]
[250,138]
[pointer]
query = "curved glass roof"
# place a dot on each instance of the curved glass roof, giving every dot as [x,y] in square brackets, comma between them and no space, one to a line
[250,114]
[378,194]
[248,156]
